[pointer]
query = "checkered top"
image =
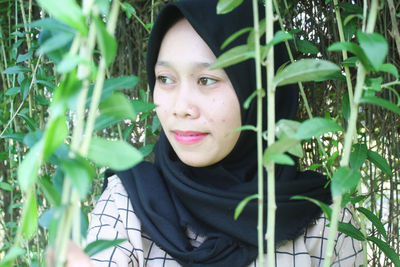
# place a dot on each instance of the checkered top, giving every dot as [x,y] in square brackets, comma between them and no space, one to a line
[114,218]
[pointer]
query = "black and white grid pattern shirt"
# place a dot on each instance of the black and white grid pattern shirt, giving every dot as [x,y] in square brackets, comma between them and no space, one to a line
[114,218]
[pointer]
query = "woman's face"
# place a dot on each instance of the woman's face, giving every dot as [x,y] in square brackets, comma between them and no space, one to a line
[197,107]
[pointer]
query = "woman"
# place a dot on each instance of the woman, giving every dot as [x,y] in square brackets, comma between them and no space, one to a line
[179,210]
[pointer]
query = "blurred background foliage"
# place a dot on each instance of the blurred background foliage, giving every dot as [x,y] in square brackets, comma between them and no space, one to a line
[24,106]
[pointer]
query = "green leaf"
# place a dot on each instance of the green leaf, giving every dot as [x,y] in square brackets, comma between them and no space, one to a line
[55,134]
[279,37]
[281,146]
[354,49]
[325,208]
[316,127]
[49,191]
[350,62]
[226,6]
[234,36]
[104,121]
[118,106]
[358,156]
[389,252]
[350,230]
[242,204]
[287,129]
[80,172]
[29,218]
[13,91]
[107,43]
[110,85]
[117,155]
[24,57]
[306,47]
[243,128]
[304,70]
[346,106]
[129,9]
[234,56]
[374,83]
[69,62]
[55,42]
[375,48]
[375,221]
[5,186]
[344,180]
[380,102]
[100,245]
[12,254]
[68,12]
[379,162]
[390,68]
[28,169]
[30,123]
[141,106]
[156,124]
[282,159]
[16,69]
[146,150]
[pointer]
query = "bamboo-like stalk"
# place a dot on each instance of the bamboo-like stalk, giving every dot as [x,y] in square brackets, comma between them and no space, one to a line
[260,92]
[348,140]
[270,236]
[72,213]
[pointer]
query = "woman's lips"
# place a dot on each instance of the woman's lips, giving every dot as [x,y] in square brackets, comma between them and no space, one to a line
[189,137]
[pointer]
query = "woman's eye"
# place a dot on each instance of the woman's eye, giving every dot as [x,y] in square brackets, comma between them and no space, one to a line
[206,81]
[164,79]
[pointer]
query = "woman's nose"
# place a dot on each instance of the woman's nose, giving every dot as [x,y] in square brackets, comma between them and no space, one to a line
[185,104]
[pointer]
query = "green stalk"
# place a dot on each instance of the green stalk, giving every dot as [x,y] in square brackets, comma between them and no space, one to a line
[344,52]
[348,140]
[302,93]
[270,236]
[260,93]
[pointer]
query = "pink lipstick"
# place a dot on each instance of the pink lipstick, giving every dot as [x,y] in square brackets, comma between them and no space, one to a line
[189,137]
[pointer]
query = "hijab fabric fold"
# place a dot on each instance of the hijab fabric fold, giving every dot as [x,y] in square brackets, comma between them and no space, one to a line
[169,196]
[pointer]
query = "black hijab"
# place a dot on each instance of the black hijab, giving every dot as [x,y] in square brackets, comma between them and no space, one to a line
[168,196]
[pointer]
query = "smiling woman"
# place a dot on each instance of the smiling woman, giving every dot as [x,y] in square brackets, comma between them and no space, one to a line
[198,107]
[179,211]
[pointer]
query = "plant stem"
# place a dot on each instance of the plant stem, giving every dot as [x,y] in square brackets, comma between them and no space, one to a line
[348,140]
[260,92]
[270,236]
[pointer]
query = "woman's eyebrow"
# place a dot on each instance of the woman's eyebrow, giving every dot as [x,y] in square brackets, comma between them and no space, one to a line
[197,65]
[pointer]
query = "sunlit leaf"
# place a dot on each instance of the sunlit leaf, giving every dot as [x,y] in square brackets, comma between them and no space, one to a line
[118,106]
[389,252]
[375,221]
[28,169]
[226,6]
[282,159]
[358,156]
[12,254]
[16,69]
[242,204]
[5,186]
[390,68]
[104,121]
[80,172]
[375,48]
[325,208]
[29,218]
[49,191]
[55,134]
[343,180]
[350,230]
[380,102]
[316,127]
[304,70]
[100,245]
[379,162]
[234,56]
[107,43]
[146,150]
[69,12]
[306,47]
[234,36]
[118,155]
